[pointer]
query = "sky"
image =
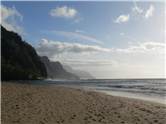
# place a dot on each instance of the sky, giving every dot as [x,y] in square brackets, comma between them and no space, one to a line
[106,39]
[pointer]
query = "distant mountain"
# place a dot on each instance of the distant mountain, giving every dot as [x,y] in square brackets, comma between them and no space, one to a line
[79,73]
[56,70]
[19,60]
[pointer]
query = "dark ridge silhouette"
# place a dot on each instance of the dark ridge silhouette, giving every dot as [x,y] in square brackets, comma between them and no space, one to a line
[56,70]
[19,60]
[80,73]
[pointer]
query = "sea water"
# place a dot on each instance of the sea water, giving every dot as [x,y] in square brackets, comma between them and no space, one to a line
[146,89]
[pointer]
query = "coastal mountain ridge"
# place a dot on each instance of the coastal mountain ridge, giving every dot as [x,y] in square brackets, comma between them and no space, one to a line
[56,70]
[20,61]
[80,73]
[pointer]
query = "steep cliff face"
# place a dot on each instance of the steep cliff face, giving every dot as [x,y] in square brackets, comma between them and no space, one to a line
[80,73]
[56,70]
[19,60]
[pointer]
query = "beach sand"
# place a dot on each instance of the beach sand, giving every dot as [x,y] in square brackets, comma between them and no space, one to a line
[48,104]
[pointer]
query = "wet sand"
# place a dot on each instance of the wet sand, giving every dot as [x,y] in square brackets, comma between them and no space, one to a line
[48,104]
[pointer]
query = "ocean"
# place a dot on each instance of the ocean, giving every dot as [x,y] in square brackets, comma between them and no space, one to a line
[145,89]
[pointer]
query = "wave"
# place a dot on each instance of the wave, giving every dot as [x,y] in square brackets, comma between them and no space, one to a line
[144,87]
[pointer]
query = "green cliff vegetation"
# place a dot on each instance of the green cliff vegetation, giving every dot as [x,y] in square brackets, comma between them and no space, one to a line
[19,60]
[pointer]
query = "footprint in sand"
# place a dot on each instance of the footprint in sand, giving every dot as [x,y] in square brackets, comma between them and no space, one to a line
[73,116]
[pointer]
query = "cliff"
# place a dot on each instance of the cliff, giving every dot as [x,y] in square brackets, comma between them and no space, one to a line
[56,70]
[19,60]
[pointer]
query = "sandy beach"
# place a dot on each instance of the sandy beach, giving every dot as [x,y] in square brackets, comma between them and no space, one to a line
[48,104]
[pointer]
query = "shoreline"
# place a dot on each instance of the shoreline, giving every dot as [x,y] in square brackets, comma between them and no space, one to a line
[121,94]
[38,104]
[134,96]
[118,93]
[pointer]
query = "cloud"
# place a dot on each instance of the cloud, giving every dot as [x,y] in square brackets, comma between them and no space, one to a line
[136,9]
[77,36]
[89,62]
[52,48]
[122,18]
[149,12]
[79,31]
[64,11]
[10,18]
[108,62]
[136,12]
[122,34]
[144,48]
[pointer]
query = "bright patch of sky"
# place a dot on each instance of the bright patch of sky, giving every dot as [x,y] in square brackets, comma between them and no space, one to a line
[107,39]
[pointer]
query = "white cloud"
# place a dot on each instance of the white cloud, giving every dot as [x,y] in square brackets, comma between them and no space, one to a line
[64,11]
[136,9]
[137,12]
[79,31]
[52,48]
[144,48]
[122,34]
[89,62]
[144,59]
[149,12]
[122,18]
[10,18]
[77,36]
